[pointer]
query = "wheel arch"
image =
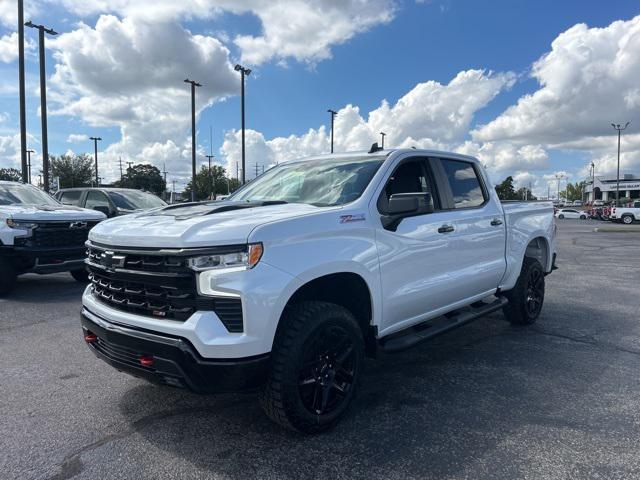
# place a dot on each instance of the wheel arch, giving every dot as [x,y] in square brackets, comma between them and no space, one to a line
[347,289]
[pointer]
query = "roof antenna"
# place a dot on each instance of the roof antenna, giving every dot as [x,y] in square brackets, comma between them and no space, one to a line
[374,148]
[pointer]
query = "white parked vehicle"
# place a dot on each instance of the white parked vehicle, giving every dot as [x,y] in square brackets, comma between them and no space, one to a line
[287,285]
[40,235]
[570,213]
[626,215]
[598,203]
[577,203]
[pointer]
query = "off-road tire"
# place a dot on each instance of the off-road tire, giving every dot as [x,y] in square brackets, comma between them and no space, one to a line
[300,333]
[81,276]
[527,297]
[8,276]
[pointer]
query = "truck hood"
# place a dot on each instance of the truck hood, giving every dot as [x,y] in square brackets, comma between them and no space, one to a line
[194,225]
[49,213]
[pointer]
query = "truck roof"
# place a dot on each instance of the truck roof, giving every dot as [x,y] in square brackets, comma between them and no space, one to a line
[385,153]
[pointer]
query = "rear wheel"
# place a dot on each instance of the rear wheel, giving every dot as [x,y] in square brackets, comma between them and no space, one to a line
[561,216]
[317,360]
[627,219]
[8,276]
[527,297]
[583,217]
[81,276]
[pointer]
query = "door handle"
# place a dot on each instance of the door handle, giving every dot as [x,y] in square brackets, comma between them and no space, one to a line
[495,222]
[446,229]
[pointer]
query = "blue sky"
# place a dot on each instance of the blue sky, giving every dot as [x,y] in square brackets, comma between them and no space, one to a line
[385,58]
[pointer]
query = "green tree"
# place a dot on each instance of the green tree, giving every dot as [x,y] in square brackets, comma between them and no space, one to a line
[574,191]
[72,170]
[143,176]
[524,193]
[210,184]
[10,174]
[506,190]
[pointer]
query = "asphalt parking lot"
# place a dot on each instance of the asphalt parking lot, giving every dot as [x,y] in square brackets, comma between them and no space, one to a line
[560,399]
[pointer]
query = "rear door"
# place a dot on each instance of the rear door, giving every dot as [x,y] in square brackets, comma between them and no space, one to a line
[479,233]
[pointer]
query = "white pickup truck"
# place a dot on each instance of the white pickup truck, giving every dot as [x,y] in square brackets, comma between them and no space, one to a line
[40,235]
[626,215]
[290,282]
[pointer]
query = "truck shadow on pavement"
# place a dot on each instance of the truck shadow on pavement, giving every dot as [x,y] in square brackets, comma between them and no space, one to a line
[487,393]
[57,288]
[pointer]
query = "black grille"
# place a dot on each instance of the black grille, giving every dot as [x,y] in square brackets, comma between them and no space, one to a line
[57,235]
[159,286]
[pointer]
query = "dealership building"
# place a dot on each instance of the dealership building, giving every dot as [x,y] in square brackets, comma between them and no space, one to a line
[604,188]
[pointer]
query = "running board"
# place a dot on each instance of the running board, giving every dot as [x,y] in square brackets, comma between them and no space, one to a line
[432,328]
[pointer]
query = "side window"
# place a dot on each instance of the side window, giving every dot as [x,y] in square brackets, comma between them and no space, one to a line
[96,199]
[409,177]
[464,182]
[70,198]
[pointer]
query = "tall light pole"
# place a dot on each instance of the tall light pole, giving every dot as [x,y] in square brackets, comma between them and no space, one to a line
[243,72]
[382,134]
[29,152]
[95,157]
[23,114]
[619,129]
[559,176]
[43,100]
[333,114]
[593,182]
[194,84]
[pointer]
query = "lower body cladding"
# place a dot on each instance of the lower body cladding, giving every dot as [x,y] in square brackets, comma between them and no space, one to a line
[169,360]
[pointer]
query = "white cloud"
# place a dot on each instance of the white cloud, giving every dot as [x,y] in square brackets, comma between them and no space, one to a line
[431,115]
[129,74]
[77,138]
[9,47]
[588,80]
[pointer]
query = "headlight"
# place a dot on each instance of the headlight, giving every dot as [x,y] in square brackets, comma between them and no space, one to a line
[241,260]
[21,225]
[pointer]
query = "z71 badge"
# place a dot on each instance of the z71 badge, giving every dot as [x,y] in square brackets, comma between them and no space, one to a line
[358,217]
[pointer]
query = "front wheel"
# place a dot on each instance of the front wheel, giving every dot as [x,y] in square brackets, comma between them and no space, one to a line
[527,297]
[316,363]
[8,276]
[561,216]
[583,217]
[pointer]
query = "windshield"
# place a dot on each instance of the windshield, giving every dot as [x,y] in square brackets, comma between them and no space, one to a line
[17,194]
[327,182]
[135,200]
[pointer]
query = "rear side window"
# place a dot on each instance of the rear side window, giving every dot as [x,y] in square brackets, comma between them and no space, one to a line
[464,183]
[70,198]
[96,199]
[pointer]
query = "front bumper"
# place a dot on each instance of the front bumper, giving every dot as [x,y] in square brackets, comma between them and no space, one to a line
[46,260]
[175,362]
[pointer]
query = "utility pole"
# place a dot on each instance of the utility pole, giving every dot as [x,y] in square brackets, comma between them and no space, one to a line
[173,192]
[95,156]
[243,72]
[120,165]
[256,170]
[559,176]
[43,99]
[29,152]
[593,182]
[23,114]
[382,134]
[209,157]
[619,129]
[333,114]
[194,84]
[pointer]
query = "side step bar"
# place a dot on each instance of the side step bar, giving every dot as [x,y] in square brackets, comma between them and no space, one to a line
[437,326]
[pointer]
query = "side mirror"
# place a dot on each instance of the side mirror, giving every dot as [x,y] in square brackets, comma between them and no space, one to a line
[104,209]
[402,205]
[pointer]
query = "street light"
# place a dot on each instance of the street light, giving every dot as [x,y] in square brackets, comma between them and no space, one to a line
[382,134]
[243,72]
[333,114]
[43,99]
[29,152]
[95,156]
[619,129]
[559,176]
[194,84]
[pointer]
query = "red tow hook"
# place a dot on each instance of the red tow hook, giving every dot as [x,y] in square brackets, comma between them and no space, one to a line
[90,337]
[146,361]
